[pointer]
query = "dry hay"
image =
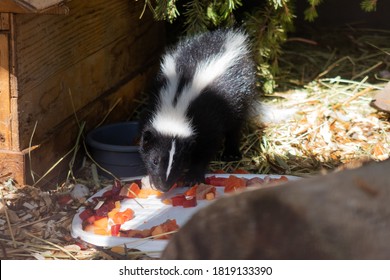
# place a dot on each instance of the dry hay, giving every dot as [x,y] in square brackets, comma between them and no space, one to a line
[330,88]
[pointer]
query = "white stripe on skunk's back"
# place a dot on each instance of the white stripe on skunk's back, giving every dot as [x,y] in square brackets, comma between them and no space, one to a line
[170,119]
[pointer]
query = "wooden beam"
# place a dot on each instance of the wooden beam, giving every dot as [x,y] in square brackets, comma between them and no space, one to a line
[5,95]
[33,7]
[4,21]
[12,165]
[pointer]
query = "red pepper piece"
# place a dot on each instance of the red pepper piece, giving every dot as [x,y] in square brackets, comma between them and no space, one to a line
[105,208]
[115,230]
[178,200]
[216,181]
[190,202]
[86,214]
[107,194]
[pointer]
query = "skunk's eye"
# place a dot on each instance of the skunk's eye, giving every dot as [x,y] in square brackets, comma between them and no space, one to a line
[155,161]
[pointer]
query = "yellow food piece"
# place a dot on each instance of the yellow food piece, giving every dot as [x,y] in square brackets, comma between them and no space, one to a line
[210,196]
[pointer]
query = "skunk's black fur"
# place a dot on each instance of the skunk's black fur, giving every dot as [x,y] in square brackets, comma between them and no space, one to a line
[205,88]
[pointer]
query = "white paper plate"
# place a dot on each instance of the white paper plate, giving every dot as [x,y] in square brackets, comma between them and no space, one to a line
[152,212]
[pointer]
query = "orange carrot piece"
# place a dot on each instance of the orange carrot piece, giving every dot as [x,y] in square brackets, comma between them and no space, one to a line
[234,183]
[101,223]
[101,231]
[122,217]
[167,201]
[145,193]
[191,191]
[130,191]
[112,213]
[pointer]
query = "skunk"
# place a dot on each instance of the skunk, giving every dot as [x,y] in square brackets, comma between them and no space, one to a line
[204,91]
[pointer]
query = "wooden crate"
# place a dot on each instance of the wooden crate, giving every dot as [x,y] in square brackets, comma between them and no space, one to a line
[62,59]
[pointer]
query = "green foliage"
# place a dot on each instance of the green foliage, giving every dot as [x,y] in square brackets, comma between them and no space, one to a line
[368,5]
[163,10]
[201,15]
[268,24]
[268,27]
[311,12]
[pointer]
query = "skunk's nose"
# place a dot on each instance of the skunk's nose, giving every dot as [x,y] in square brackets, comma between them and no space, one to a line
[165,187]
[160,184]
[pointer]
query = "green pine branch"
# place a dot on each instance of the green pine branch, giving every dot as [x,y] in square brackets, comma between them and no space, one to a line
[268,27]
[268,24]
[368,5]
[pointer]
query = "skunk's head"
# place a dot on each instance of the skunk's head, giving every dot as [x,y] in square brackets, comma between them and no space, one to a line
[165,157]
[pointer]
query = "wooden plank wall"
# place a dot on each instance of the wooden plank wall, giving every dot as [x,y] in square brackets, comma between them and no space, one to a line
[11,160]
[5,96]
[101,52]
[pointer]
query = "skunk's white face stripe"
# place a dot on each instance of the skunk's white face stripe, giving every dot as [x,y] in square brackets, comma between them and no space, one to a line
[171,154]
[171,120]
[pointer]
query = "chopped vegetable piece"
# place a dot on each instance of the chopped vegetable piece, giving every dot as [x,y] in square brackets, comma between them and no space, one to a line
[130,191]
[90,220]
[112,213]
[157,232]
[167,201]
[135,233]
[178,200]
[85,214]
[103,210]
[191,191]
[101,231]
[168,226]
[145,193]
[282,179]
[254,181]
[101,223]
[210,196]
[115,230]
[107,194]
[215,181]
[190,202]
[233,189]
[122,217]
[204,189]
[234,183]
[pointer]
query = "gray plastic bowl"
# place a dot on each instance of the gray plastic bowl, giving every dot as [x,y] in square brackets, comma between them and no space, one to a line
[114,147]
